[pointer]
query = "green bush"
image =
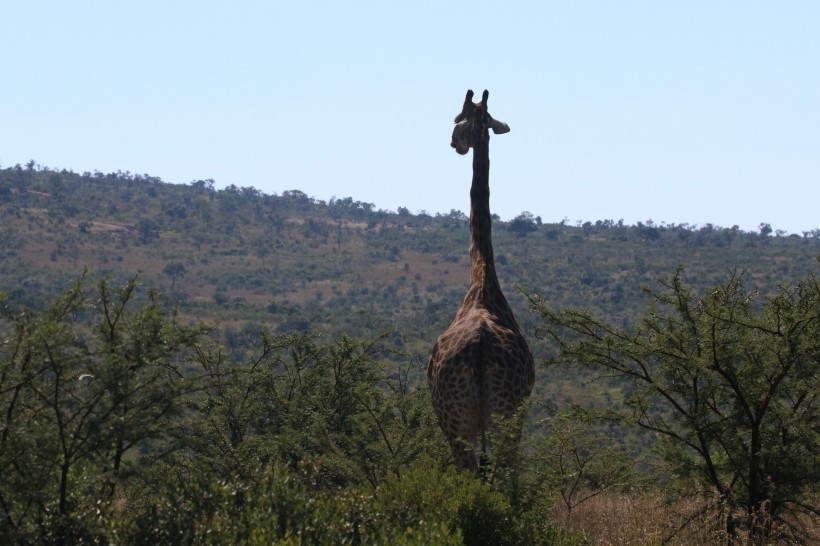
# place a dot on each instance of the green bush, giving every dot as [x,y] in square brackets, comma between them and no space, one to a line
[275,507]
[465,504]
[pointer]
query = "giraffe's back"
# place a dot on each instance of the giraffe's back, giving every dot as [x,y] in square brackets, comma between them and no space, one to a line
[478,368]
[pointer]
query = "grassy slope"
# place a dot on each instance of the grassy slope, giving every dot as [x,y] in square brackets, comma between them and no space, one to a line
[289,262]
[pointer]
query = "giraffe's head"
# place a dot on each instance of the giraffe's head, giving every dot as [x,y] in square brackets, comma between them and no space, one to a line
[473,122]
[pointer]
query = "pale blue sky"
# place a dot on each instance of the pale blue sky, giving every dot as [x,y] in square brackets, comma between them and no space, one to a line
[679,112]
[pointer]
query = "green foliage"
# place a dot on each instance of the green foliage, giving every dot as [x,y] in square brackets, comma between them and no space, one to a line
[330,406]
[342,266]
[272,508]
[423,505]
[177,437]
[461,501]
[83,384]
[579,455]
[120,426]
[466,504]
[523,224]
[276,507]
[729,381]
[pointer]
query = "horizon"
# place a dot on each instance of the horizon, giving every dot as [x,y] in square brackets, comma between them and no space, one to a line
[662,224]
[697,114]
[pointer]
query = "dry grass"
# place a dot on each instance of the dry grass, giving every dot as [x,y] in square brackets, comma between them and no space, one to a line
[620,519]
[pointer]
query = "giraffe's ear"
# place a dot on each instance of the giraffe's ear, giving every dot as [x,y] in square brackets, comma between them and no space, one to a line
[499,127]
[457,141]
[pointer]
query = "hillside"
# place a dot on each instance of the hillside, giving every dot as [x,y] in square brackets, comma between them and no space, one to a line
[125,423]
[246,260]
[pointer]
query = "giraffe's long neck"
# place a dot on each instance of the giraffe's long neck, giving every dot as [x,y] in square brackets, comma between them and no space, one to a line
[482,263]
[484,290]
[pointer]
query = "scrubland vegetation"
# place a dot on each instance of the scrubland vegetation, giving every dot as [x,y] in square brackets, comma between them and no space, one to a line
[261,379]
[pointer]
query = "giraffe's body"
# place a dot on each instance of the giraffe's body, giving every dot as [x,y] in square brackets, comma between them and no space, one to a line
[481,365]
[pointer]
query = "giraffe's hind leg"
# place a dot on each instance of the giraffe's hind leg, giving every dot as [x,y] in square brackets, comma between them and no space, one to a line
[464,453]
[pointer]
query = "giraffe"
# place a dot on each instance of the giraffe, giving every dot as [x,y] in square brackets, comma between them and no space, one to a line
[481,365]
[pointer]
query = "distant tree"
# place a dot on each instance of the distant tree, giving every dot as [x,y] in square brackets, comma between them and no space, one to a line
[177,211]
[148,230]
[648,231]
[55,185]
[732,233]
[457,215]
[523,224]
[175,270]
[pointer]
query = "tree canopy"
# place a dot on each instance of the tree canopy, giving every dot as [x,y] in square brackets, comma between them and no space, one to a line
[729,382]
